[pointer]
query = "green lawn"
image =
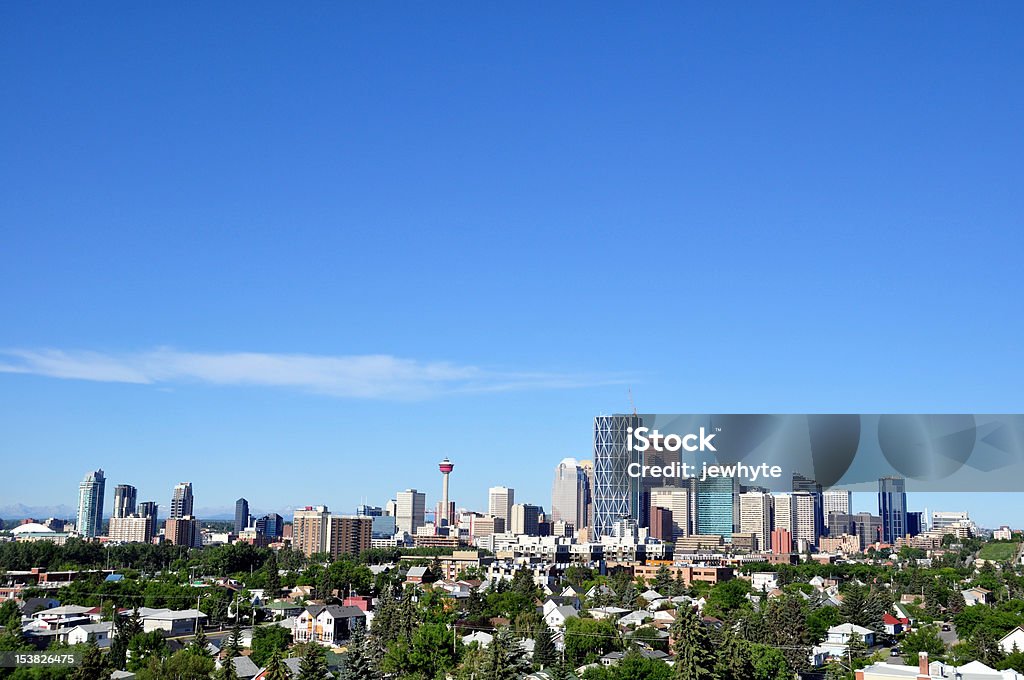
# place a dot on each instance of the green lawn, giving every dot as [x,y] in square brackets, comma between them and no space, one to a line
[998,552]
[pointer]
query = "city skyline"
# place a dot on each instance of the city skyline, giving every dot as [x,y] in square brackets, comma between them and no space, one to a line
[403,235]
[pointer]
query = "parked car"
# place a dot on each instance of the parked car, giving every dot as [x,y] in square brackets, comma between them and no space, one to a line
[946,628]
[895,651]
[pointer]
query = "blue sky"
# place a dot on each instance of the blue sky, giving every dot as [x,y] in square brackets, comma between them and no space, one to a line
[301,254]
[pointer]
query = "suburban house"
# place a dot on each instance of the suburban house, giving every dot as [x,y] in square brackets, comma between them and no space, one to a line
[556,617]
[894,625]
[169,621]
[1015,638]
[973,596]
[328,625]
[98,633]
[844,632]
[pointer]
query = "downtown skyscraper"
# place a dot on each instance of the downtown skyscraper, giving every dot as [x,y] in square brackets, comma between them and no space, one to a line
[124,500]
[570,494]
[892,506]
[181,501]
[241,515]
[616,493]
[90,504]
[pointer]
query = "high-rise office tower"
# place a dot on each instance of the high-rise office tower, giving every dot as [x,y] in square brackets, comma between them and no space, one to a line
[500,500]
[181,501]
[525,519]
[716,506]
[662,526]
[915,523]
[569,494]
[801,483]
[676,500]
[616,492]
[446,516]
[410,510]
[756,517]
[892,506]
[151,510]
[90,504]
[241,515]
[805,525]
[835,500]
[656,456]
[271,526]
[124,500]
[782,512]
[588,469]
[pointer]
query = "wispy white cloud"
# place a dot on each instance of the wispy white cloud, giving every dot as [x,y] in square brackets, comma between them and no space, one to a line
[369,376]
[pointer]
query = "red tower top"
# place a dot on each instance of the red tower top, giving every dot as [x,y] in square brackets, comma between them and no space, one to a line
[446,466]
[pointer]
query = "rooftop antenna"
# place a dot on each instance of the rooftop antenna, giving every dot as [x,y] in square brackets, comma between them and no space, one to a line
[631,404]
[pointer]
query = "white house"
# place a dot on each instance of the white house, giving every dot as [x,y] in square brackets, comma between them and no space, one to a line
[974,670]
[1015,638]
[636,618]
[973,596]
[328,625]
[844,632]
[480,637]
[556,617]
[100,633]
[172,622]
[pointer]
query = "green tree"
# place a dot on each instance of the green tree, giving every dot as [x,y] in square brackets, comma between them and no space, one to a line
[268,640]
[726,597]
[93,667]
[359,661]
[226,670]
[586,640]
[143,647]
[276,668]
[695,654]
[924,639]
[505,658]
[199,643]
[544,653]
[313,665]
[233,642]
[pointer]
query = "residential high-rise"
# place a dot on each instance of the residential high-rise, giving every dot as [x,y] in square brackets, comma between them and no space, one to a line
[677,501]
[500,500]
[569,494]
[835,500]
[716,506]
[181,501]
[183,531]
[616,492]
[90,504]
[446,516]
[316,530]
[805,525]
[124,500]
[309,529]
[756,517]
[130,529]
[241,515]
[782,542]
[892,507]
[525,519]
[151,510]
[410,510]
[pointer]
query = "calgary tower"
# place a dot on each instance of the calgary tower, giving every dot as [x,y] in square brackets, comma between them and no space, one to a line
[446,467]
